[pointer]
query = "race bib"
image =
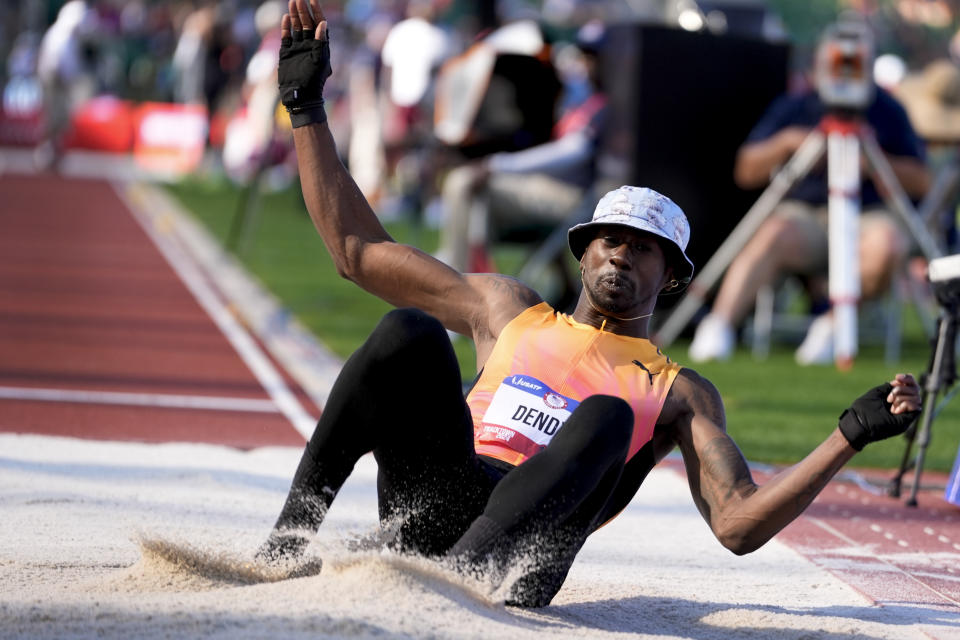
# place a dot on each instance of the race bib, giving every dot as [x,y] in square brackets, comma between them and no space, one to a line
[525,414]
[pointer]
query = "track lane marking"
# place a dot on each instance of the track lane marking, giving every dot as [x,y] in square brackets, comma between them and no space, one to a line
[890,566]
[163,400]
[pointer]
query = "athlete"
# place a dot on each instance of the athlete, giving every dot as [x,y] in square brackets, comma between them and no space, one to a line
[569,413]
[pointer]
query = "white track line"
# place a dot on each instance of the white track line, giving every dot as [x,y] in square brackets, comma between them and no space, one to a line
[193,278]
[164,400]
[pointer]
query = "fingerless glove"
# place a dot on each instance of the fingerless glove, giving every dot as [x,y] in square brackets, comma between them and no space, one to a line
[303,70]
[869,419]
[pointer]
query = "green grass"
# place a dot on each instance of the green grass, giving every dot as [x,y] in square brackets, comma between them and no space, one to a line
[776,411]
[286,254]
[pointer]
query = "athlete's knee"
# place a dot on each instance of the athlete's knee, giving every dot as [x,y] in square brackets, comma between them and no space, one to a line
[407,330]
[407,320]
[615,413]
[605,419]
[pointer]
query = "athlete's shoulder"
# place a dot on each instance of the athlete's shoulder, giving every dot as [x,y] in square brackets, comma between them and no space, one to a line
[500,286]
[502,299]
[694,384]
[690,394]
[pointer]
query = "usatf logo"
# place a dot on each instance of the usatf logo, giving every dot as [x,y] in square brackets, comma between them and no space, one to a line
[554,400]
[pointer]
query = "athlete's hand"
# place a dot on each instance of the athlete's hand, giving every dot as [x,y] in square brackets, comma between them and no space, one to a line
[905,394]
[882,412]
[304,62]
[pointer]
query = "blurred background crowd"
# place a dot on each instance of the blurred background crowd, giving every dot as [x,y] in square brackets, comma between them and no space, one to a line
[59,55]
[489,119]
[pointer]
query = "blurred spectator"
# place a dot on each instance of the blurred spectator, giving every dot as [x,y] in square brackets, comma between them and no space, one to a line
[190,57]
[253,140]
[149,43]
[365,156]
[63,72]
[541,185]
[413,50]
[22,61]
[932,99]
[21,118]
[794,238]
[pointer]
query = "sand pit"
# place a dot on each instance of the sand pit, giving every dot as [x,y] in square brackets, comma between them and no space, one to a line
[113,540]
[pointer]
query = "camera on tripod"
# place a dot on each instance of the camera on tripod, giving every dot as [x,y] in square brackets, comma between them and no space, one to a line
[944,276]
[941,375]
[844,66]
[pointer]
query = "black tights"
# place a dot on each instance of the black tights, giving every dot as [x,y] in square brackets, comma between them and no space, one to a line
[400,396]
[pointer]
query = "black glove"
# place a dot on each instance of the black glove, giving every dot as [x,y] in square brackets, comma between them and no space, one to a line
[304,67]
[869,419]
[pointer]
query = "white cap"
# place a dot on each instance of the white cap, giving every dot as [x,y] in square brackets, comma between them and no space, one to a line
[645,210]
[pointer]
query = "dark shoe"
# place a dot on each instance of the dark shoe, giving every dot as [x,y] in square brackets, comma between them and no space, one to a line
[282,547]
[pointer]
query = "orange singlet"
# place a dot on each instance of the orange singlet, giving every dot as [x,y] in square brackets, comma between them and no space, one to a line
[544,364]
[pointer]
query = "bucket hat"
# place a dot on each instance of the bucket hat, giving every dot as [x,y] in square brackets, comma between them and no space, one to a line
[645,210]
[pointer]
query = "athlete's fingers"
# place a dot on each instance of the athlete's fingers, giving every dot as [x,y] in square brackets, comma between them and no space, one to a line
[305,18]
[295,24]
[906,406]
[317,12]
[900,396]
[905,394]
[285,26]
[320,18]
[904,379]
[902,404]
[904,384]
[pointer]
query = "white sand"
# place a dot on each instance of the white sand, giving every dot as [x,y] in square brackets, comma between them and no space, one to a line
[73,564]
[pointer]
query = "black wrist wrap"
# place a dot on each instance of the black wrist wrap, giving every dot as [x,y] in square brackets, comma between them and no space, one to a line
[852,430]
[303,70]
[869,419]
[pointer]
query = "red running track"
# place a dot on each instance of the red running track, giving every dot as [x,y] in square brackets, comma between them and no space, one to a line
[894,554]
[100,338]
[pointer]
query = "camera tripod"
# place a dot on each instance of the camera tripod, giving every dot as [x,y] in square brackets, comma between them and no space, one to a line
[940,377]
[842,137]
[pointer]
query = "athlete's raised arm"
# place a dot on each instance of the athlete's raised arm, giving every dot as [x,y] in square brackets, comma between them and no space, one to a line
[744,515]
[363,251]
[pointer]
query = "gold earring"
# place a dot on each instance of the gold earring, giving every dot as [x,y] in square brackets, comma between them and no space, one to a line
[673,284]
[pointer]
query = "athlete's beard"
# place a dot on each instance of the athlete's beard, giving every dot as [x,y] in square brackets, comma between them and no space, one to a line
[614,306]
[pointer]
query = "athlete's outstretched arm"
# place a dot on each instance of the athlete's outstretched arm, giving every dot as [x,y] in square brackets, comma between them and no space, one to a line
[361,248]
[744,515]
